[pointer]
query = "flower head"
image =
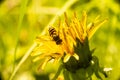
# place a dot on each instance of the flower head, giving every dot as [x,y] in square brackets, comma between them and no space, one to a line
[73,38]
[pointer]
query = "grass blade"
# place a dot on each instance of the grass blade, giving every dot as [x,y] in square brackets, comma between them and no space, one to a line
[22,12]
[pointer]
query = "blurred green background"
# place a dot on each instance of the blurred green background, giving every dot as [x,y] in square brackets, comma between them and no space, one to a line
[38,14]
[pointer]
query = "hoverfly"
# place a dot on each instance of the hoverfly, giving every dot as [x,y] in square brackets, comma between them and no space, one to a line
[49,47]
[55,36]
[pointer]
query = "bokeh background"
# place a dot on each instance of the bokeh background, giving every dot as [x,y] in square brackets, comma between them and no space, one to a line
[38,13]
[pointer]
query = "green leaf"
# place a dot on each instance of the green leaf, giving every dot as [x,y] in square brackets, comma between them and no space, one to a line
[96,67]
[89,71]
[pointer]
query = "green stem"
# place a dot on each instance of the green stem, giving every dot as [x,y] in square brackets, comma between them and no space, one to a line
[23,60]
[58,72]
[66,74]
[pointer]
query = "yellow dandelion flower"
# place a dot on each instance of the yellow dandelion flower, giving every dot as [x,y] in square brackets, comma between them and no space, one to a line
[77,29]
[69,43]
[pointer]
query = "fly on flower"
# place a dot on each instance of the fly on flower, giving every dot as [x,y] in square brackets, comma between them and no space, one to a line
[54,34]
[48,48]
[71,46]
